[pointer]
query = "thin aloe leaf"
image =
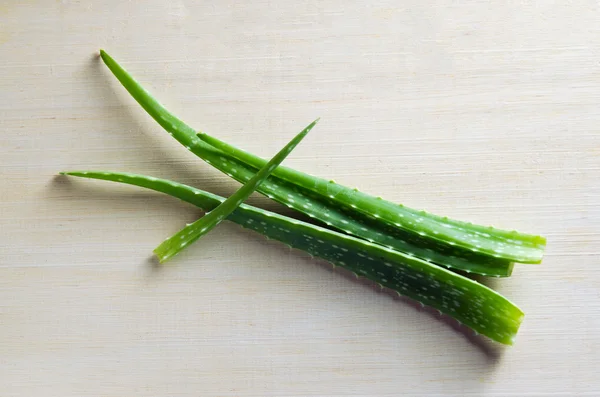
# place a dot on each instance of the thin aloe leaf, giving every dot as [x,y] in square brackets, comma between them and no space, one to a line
[173,125]
[192,232]
[469,236]
[510,245]
[472,304]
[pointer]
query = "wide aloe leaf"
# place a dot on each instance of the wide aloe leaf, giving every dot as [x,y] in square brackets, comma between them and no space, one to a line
[471,303]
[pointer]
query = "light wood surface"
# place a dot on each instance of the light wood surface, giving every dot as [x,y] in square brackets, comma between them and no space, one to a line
[488,113]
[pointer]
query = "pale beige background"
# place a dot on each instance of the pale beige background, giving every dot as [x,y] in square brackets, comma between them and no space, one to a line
[489,113]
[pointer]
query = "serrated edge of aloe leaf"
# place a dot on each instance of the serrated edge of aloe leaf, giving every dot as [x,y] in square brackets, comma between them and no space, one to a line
[186,135]
[469,302]
[192,232]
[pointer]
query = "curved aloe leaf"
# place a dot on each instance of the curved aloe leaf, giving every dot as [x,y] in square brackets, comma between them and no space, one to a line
[192,232]
[495,242]
[473,304]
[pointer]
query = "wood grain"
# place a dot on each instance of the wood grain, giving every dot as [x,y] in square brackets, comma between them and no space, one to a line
[489,113]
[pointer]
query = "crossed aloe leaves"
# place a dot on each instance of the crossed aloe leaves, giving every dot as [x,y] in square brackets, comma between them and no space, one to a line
[411,252]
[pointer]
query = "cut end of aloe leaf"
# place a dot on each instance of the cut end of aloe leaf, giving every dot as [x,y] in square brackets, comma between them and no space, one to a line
[162,256]
[74,173]
[167,249]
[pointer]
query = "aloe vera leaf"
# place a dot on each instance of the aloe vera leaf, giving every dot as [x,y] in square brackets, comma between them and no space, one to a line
[510,245]
[186,136]
[192,232]
[472,304]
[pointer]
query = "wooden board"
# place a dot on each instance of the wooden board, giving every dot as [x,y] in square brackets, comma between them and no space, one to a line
[488,113]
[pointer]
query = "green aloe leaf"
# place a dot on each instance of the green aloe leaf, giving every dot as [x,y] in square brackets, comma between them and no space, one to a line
[471,303]
[192,232]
